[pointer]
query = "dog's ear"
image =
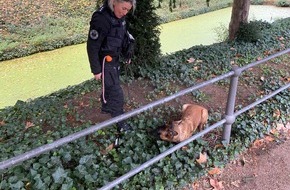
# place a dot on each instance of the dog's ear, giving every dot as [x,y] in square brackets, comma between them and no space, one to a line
[176,123]
[162,127]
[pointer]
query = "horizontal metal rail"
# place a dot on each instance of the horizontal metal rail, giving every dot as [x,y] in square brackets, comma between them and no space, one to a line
[228,119]
[185,142]
[47,147]
[262,99]
[265,59]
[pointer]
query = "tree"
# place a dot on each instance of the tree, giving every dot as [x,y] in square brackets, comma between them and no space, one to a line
[159,3]
[172,5]
[207,3]
[240,13]
[143,25]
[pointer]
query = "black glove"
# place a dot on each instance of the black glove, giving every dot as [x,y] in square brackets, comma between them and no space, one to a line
[129,52]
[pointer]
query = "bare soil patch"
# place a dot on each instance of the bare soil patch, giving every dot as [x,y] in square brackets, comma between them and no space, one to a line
[266,165]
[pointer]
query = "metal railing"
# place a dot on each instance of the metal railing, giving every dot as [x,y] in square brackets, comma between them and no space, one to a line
[227,122]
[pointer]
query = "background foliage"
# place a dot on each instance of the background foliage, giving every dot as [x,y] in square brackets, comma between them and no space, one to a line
[28,27]
[144,27]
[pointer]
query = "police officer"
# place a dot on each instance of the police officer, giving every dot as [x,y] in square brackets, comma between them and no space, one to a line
[108,39]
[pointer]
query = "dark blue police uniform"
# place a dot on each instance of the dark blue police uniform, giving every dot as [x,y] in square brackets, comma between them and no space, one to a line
[108,35]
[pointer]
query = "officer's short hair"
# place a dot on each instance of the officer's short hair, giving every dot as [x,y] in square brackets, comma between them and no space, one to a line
[133,2]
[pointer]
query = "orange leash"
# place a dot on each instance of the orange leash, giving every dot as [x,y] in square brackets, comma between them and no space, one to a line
[108,59]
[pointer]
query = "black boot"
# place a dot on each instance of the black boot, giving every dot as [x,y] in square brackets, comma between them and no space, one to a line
[124,127]
[117,141]
[106,111]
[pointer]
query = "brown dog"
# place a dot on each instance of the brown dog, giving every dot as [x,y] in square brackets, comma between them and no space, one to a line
[193,117]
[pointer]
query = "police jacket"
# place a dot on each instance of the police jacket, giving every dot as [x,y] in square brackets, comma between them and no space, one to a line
[107,36]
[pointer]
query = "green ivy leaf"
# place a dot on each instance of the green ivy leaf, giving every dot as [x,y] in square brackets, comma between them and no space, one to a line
[127,160]
[89,178]
[17,185]
[86,160]
[59,175]
[67,156]
[36,166]
[33,172]
[39,183]
[81,169]
[3,184]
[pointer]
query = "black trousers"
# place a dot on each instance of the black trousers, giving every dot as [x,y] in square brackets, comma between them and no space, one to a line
[114,95]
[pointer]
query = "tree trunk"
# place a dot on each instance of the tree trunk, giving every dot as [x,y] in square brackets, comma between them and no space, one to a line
[240,13]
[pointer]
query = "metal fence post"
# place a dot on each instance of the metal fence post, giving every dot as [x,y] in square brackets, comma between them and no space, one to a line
[229,115]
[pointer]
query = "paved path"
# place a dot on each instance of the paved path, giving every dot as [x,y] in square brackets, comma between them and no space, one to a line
[265,166]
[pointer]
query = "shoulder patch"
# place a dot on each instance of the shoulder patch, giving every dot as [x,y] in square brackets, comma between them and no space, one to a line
[101,9]
[94,34]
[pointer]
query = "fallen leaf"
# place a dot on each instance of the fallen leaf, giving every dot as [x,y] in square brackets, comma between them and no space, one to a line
[258,143]
[262,78]
[274,131]
[236,183]
[29,124]
[282,45]
[195,185]
[238,55]
[214,171]
[28,185]
[277,114]
[202,158]
[184,148]
[252,112]
[269,139]
[191,60]
[2,123]
[281,127]
[267,53]
[242,161]
[218,146]
[82,104]
[217,185]
[108,149]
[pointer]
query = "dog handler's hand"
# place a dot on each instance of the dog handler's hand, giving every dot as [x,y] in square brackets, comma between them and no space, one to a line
[128,61]
[98,76]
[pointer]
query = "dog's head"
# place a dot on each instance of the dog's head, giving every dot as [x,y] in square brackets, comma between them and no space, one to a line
[167,133]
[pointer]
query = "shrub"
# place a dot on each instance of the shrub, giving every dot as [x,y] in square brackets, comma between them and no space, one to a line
[143,25]
[257,2]
[222,33]
[251,32]
[283,3]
